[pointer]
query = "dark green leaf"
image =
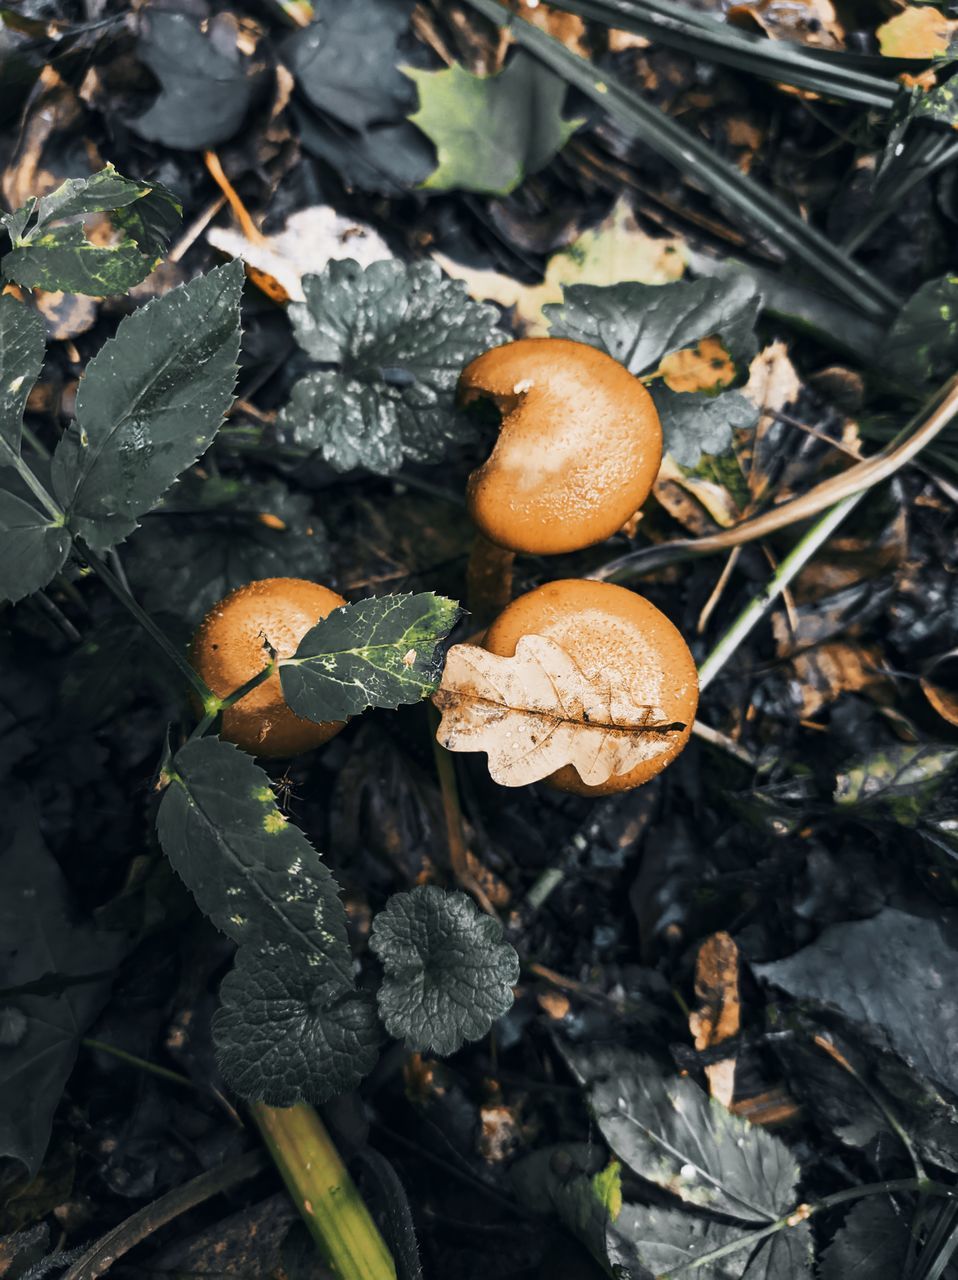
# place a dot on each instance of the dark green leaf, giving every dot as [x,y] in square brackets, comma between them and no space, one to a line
[211,536]
[204,91]
[896,782]
[21,356]
[639,324]
[257,877]
[50,255]
[382,652]
[150,403]
[448,972]
[491,131]
[787,1255]
[896,972]
[400,335]
[33,547]
[665,1239]
[344,62]
[40,1033]
[285,1034]
[922,344]
[693,424]
[939,104]
[671,1133]
[870,1245]
[387,159]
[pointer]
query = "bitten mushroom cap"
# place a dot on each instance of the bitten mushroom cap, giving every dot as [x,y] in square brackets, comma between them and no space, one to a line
[228,649]
[579,446]
[603,627]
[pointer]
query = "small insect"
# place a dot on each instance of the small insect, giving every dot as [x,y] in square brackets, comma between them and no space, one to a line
[283,787]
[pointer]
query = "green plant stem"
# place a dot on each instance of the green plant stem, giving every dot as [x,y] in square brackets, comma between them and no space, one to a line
[9,457]
[215,706]
[801,1213]
[323,1192]
[759,605]
[693,155]
[162,641]
[141,1064]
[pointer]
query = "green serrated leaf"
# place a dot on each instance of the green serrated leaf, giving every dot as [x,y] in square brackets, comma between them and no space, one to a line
[448,972]
[787,1255]
[672,1134]
[42,937]
[922,344]
[149,404]
[21,357]
[871,1244]
[694,424]
[382,652]
[33,547]
[65,260]
[400,334]
[491,131]
[99,193]
[257,877]
[897,782]
[283,1035]
[204,92]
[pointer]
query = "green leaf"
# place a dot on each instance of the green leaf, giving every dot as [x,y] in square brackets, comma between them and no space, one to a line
[872,1244]
[939,104]
[21,357]
[284,1035]
[150,403]
[896,972]
[258,878]
[639,324]
[491,131]
[213,535]
[922,344]
[388,159]
[448,972]
[897,782]
[382,652]
[787,1255]
[48,254]
[672,1134]
[33,547]
[40,1033]
[400,334]
[204,91]
[693,424]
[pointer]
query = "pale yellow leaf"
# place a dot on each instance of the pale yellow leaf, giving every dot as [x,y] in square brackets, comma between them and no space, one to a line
[919,31]
[772,382]
[536,712]
[618,249]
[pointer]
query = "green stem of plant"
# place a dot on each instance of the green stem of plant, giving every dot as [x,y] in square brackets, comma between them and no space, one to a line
[801,1213]
[759,605]
[141,1064]
[215,706]
[162,641]
[9,457]
[323,1192]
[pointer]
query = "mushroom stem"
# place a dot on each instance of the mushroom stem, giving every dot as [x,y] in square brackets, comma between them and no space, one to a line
[489,580]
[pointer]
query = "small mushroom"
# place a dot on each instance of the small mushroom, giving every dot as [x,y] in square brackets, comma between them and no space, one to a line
[578,449]
[604,628]
[232,646]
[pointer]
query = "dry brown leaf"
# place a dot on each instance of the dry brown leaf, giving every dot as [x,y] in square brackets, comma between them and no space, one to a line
[618,249]
[697,503]
[536,712]
[828,670]
[772,382]
[919,31]
[938,685]
[718,1015]
[567,27]
[812,22]
[704,367]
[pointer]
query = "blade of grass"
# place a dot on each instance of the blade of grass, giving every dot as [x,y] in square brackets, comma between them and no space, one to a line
[693,156]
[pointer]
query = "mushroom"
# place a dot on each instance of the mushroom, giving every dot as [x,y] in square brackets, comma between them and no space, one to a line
[603,628]
[579,447]
[232,646]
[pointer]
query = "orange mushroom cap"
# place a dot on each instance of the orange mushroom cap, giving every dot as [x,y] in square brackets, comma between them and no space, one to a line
[603,627]
[229,649]
[578,450]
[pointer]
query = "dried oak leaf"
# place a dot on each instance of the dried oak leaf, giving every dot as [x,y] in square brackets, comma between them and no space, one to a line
[536,712]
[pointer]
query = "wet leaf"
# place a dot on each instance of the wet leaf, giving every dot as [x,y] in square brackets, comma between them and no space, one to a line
[897,782]
[491,131]
[871,1244]
[33,547]
[697,424]
[537,711]
[895,972]
[382,652]
[399,335]
[448,972]
[787,1255]
[286,1032]
[21,356]
[922,344]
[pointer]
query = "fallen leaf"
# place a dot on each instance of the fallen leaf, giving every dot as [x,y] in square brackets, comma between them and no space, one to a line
[704,367]
[718,1014]
[919,31]
[698,503]
[823,673]
[812,22]
[617,249]
[566,27]
[939,686]
[310,239]
[536,712]
[772,383]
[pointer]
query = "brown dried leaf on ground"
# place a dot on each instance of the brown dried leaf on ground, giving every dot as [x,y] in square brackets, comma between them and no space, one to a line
[537,712]
[705,367]
[812,22]
[772,385]
[919,31]
[718,1014]
[825,672]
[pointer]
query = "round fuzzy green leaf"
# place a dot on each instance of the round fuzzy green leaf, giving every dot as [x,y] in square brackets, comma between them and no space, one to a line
[449,973]
[283,1034]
